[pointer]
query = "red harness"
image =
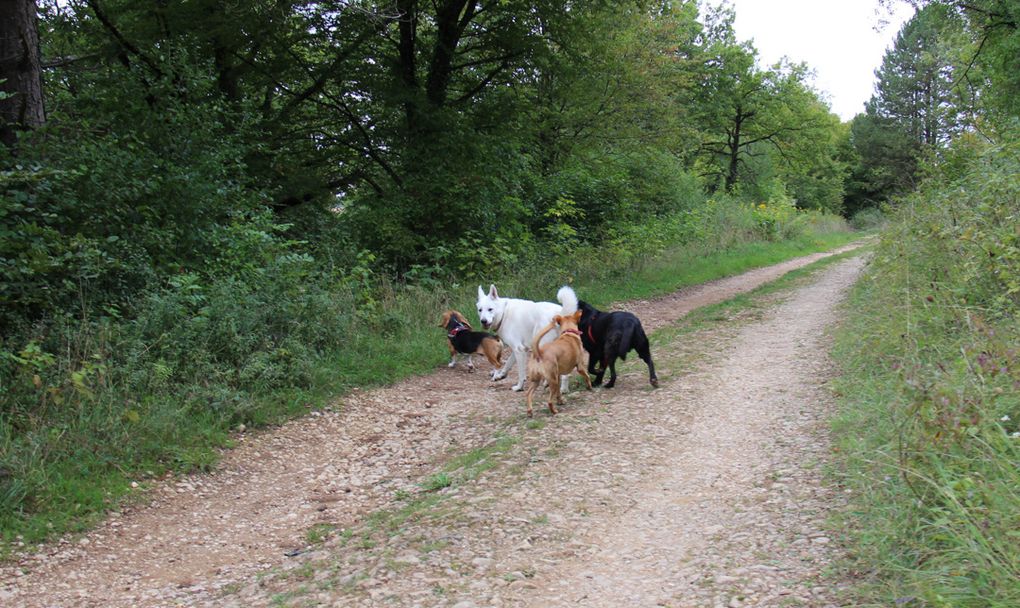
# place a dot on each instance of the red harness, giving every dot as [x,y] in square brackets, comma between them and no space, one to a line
[456,330]
[591,323]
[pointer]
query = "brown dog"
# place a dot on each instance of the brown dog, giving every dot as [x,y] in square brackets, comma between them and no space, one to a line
[461,339]
[557,358]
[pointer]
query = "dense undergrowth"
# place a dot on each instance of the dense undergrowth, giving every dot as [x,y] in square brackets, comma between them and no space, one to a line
[930,429]
[96,400]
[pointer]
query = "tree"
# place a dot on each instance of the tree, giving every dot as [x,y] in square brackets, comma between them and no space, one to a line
[916,81]
[918,107]
[21,97]
[886,161]
[990,64]
[748,112]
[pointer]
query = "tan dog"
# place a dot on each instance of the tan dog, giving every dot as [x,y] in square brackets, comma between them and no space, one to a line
[555,359]
[461,339]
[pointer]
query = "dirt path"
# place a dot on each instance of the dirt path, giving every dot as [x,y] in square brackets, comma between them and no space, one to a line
[698,491]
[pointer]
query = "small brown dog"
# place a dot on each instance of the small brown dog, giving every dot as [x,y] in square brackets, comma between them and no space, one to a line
[461,339]
[557,358]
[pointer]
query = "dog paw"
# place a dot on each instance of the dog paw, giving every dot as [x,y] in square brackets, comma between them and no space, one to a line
[451,364]
[497,376]
[517,388]
[654,382]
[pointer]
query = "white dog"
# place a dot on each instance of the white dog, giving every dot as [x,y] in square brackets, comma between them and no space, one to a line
[517,321]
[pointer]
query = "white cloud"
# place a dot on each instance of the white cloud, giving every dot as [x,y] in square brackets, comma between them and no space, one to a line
[843,41]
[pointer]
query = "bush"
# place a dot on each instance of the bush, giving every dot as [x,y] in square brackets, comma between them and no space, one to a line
[869,219]
[100,219]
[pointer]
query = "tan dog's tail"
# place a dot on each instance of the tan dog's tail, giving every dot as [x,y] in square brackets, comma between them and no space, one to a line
[538,337]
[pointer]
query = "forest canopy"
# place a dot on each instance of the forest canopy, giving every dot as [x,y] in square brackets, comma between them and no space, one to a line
[209,137]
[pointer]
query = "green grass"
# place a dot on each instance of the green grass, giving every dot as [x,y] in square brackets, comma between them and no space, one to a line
[318,533]
[685,267]
[756,299]
[82,460]
[928,433]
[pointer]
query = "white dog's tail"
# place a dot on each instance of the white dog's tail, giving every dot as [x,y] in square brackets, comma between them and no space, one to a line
[568,299]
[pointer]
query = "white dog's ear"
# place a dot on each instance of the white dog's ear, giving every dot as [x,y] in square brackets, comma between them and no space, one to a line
[481,292]
[492,292]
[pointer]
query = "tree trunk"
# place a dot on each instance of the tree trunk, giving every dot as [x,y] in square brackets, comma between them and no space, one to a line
[21,100]
[407,11]
[451,20]
[733,168]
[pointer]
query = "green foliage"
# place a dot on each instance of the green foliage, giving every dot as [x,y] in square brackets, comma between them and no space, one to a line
[916,86]
[951,73]
[917,108]
[886,164]
[761,124]
[993,55]
[929,429]
[90,225]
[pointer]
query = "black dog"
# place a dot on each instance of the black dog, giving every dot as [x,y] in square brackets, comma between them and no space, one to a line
[608,335]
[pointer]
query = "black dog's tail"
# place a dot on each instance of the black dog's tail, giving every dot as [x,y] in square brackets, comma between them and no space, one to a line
[626,339]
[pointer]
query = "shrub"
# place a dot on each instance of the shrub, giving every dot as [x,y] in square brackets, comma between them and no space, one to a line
[868,219]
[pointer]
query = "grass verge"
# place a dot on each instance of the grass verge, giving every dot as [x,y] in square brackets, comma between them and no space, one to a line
[928,434]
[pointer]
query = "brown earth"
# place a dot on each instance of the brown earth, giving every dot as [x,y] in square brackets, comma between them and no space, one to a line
[704,492]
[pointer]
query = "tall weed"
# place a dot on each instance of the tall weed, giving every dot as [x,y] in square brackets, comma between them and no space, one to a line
[931,422]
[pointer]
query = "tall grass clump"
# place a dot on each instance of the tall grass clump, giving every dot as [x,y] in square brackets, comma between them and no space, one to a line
[930,425]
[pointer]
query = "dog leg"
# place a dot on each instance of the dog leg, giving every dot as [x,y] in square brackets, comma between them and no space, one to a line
[584,374]
[646,356]
[592,360]
[522,373]
[612,372]
[554,394]
[530,397]
[453,354]
[471,364]
[499,374]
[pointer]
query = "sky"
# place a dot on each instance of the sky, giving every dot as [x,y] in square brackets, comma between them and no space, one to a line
[842,40]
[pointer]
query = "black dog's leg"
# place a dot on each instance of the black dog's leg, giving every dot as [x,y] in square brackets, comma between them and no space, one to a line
[646,356]
[594,358]
[612,371]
